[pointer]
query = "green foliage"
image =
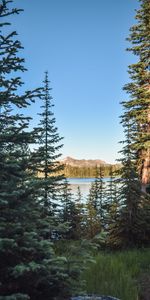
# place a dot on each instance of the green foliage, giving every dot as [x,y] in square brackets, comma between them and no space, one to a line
[80,218]
[131,226]
[30,268]
[138,105]
[87,172]
[72,213]
[95,205]
[68,212]
[117,274]
[20,244]
[41,254]
[78,254]
[128,228]
[44,158]
[112,199]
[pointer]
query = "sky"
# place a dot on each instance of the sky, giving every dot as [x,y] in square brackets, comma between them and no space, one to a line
[81,43]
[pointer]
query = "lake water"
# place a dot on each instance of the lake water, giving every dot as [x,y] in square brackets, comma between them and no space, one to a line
[83,183]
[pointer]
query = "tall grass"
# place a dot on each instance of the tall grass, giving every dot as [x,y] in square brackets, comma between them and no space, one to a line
[117,274]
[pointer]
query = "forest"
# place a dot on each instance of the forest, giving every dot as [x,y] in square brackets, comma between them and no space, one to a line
[51,241]
[89,172]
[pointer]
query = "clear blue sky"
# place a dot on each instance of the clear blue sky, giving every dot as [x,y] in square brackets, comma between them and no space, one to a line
[82,45]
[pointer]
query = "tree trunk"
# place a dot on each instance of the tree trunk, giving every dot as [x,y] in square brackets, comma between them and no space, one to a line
[145,174]
[145,168]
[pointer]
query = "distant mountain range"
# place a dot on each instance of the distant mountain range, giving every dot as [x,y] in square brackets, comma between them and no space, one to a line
[83,162]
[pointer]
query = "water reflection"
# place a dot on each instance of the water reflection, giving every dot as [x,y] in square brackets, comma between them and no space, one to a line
[83,183]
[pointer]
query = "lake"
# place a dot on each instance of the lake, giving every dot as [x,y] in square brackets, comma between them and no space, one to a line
[83,183]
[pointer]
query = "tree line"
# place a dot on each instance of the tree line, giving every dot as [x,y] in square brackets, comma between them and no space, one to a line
[88,172]
[46,234]
[84,172]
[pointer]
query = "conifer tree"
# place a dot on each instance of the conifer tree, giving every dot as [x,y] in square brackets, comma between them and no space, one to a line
[92,220]
[69,212]
[95,204]
[97,194]
[80,215]
[30,269]
[102,196]
[45,158]
[17,225]
[111,186]
[111,199]
[129,228]
[132,225]
[139,89]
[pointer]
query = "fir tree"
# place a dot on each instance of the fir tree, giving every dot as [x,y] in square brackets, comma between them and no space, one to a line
[97,195]
[93,222]
[95,204]
[80,215]
[30,269]
[129,228]
[111,201]
[132,215]
[102,196]
[68,213]
[111,189]
[139,89]
[45,158]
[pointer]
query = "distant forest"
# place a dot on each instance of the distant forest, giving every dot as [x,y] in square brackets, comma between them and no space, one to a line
[89,172]
[49,237]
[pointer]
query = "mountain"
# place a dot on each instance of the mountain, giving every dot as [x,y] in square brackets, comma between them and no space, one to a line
[83,162]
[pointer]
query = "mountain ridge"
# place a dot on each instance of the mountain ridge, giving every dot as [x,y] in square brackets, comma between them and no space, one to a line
[83,162]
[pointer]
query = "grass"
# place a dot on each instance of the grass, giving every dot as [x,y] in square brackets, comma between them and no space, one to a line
[117,274]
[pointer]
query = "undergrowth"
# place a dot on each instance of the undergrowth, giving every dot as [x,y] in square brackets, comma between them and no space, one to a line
[118,274]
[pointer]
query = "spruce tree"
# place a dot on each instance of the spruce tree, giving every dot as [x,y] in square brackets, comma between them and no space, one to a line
[129,228]
[30,269]
[95,204]
[102,196]
[92,220]
[139,89]
[69,212]
[133,205]
[111,201]
[97,194]
[16,221]
[80,215]
[45,157]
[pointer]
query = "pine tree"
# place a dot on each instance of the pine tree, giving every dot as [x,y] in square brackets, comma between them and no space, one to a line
[97,194]
[93,222]
[95,204]
[17,225]
[129,228]
[132,215]
[111,201]
[68,212]
[45,158]
[102,196]
[30,269]
[111,190]
[139,89]
[79,216]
